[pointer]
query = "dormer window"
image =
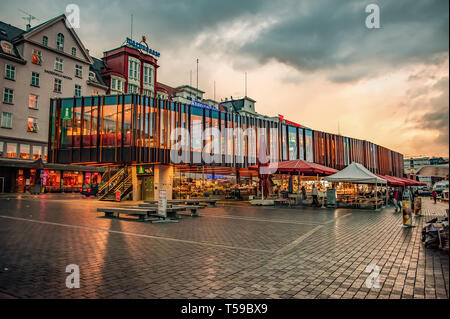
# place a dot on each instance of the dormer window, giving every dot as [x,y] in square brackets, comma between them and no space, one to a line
[91,76]
[60,42]
[45,40]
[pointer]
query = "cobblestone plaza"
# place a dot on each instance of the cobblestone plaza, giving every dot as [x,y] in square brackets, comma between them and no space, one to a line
[231,251]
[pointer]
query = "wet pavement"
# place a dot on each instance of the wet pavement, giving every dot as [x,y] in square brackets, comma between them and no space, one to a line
[230,252]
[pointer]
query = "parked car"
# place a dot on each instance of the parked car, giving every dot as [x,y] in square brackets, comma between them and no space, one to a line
[89,190]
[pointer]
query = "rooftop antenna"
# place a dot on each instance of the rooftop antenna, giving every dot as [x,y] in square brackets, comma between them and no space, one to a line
[190,84]
[28,18]
[131,26]
[197,75]
[245,84]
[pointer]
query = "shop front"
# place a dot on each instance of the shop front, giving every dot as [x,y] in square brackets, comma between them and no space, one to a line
[146,179]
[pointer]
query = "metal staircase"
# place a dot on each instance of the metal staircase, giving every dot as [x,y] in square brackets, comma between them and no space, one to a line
[120,181]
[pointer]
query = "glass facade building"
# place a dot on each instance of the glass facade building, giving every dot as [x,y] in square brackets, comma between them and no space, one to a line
[135,129]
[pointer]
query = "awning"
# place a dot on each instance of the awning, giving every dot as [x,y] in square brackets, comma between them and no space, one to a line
[355,173]
[391,180]
[299,167]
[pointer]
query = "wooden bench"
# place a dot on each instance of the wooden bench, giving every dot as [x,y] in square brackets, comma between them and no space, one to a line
[177,208]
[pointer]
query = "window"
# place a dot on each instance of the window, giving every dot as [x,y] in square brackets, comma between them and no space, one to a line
[6,120]
[77,90]
[78,71]
[24,151]
[92,76]
[113,84]
[36,57]
[59,64]
[57,86]
[45,40]
[60,42]
[147,75]
[45,155]
[35,79]
[8,96]
[11,150]
[147,92]
[74,51]
[37,152]
[33,101]
[32,125]
[134,70]
[10,72]
[133,88]
[1,148]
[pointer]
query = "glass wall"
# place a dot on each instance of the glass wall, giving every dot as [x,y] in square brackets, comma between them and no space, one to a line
[309,146]
[292,136]
[301,146]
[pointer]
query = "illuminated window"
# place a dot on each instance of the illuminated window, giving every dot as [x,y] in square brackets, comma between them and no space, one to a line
[11,150]
[36,57]
[8,96]
[45,40]
[59,64]
[35,79]
[24,151]
[57,86]
[37,152]
[33,101]
[60,42]
[10,72]
[6,120]
[32,125]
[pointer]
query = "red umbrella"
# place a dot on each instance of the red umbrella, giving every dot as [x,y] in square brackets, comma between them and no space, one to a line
[301,166]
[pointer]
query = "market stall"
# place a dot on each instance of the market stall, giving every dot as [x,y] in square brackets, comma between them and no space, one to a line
[356,173]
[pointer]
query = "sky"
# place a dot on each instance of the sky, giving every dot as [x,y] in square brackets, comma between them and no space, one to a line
[315,62]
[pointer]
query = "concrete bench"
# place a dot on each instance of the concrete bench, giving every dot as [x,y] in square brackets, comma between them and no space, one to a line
[177,208]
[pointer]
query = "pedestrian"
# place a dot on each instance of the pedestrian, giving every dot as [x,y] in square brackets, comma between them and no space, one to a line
[397,199]
[303,193]
[315,195]
[434,194]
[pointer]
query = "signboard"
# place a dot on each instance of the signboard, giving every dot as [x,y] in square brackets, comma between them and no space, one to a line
[417,206]
[331,197]
[162,203]
[204,106]
[66,113]
[406,211]
[144,170]
[141,47]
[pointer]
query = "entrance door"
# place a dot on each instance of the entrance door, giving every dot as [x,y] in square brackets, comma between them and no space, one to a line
[147,188]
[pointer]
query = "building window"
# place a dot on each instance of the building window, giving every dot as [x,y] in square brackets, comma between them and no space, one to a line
[78,71]
[10,72]
[133,88]
[57,86]
[1,148]
[134,70]
[77,90]
[74,51]
[32,125]
[45,40]
[6,120]
[147,75]
[11,150]
[147,92]
[113,84]
[33,101]
[60,42]
[36,57]
[35,79]
[92,76]
[59,64]
[8,96]
[37,152]
[24,151]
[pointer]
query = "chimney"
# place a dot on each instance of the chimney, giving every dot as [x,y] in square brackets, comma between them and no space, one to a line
[28,27]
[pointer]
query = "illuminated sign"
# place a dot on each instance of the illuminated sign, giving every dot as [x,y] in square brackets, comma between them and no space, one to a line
[144,170]
[205,106]
[142,47]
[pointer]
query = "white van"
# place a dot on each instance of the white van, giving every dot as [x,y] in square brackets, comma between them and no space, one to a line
[440,186]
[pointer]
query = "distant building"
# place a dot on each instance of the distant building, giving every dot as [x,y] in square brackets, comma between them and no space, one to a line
[431,174]
[412,165]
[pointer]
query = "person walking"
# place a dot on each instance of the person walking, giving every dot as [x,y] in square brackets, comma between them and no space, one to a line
[303,193]
[397,199]
[315,195]
[434,194]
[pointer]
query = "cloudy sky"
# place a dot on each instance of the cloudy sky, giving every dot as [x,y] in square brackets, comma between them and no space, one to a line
[315,62]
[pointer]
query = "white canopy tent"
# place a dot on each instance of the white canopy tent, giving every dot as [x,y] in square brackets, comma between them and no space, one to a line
[358,174]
